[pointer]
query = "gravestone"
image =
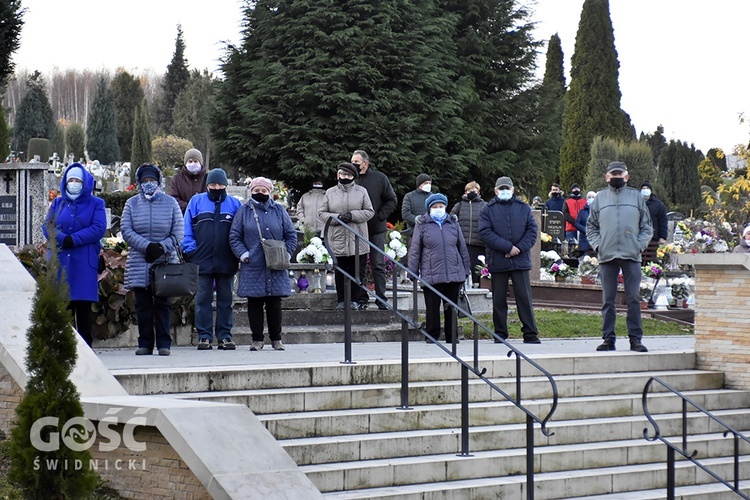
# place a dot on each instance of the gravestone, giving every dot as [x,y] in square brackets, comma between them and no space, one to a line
[554,224]
[536,250]
[23,202]
[240,192]
[672,219]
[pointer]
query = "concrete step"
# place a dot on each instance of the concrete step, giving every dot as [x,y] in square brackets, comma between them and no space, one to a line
[344,397]
[554,485]
[327,333]
[714,491]
[372,446]
[497,463]
[143,381]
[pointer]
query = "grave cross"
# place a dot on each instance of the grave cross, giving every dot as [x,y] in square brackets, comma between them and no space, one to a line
[7,180]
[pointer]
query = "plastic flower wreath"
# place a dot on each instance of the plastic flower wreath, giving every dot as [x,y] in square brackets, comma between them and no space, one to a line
[314,253]
[653,270]
[395,247]
[589,266]
[561,269]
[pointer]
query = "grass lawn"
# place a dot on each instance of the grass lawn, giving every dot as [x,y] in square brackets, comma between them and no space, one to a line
[560,324]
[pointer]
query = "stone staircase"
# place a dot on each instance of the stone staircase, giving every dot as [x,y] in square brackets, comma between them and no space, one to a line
[342,425]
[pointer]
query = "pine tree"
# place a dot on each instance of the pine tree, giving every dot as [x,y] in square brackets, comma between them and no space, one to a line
[58,140]
[50,358]
[551,112]
[636,155]
[34,114]
[592,104]
[175,80]
[141,146]
[656,141]
[11,24]
[678,174]
[101,132]
[128,95]
[75,140]
[4,142]
[193,111]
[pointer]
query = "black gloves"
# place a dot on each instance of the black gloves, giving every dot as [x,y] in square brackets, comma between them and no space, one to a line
[346,217]
[153,252]
[68,242]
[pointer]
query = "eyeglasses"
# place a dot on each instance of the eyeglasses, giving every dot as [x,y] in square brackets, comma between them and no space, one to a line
[345,174]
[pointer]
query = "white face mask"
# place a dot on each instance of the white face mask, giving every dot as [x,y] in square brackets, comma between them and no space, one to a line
[74,187]
[589,201]
[646,192]
[438,212]
[193,167]
[427,188]
[504,195]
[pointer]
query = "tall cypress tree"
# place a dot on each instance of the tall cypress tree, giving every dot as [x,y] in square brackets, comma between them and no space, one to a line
[678,174]
[141,145]
[4,148]
[551,112]
[193,111]
[50,358]
[592,104]
[128,94]
[11,23]
[312,82]
[34,115]
[174,82]
[101,132]
[75,140]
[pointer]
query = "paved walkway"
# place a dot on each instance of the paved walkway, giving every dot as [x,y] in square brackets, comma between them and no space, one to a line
[185,357]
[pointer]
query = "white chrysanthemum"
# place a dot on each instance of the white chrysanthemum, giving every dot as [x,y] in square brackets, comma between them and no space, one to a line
[395,235]
[391,254]
[316,241]
[395,244]
[401,252]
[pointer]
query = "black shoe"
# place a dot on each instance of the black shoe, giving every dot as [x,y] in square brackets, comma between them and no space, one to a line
[531,339]
[144,351]
[382,306]
[227,345]
[359,306]
[498,341]
[635,345]
[205,345]
[607,345]
[163,351]
[451,341]
[340,306]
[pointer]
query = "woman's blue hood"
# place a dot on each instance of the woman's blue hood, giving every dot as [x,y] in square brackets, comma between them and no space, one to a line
[88,182]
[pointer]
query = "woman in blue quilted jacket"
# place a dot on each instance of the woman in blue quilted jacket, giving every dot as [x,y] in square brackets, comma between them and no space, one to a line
[152,226]
[438,254]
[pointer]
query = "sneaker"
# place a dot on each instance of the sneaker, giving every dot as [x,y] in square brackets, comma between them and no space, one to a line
[607,345]
[204,345]
[635,345]
[227,345]
[256,346]
[382,307]
[163,351]
[498,341]
[531,339]
[359,306]
[340,306]
[277,345]
[144,351]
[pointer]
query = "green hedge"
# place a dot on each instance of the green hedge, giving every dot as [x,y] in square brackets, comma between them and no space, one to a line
[116,201]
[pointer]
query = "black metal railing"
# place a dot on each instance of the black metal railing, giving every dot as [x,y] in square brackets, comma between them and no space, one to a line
[412,321]
[673,449]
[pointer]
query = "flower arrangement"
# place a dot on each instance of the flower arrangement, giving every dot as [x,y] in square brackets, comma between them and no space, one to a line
[645,291]
[561,269]
[395,246]
[482,269]
[546,241]
[680,289]
[703,236]
[588,266]
[652,270]
[314,253]
[549,257]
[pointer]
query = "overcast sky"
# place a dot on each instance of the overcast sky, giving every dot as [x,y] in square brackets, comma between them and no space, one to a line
[681,63]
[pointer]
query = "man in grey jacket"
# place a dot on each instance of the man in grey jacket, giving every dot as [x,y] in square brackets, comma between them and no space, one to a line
[619,229]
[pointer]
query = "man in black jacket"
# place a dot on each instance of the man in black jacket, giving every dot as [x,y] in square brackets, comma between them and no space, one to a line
[658,212]
[384,202]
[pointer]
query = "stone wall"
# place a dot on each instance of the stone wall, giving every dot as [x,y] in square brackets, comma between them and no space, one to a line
[722,299]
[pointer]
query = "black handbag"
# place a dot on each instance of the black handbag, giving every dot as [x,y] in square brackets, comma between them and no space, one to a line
[274,251]
[463,302]
[179,279]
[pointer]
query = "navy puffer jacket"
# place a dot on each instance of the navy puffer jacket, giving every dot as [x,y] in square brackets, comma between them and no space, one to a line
[503,225]
[438,252]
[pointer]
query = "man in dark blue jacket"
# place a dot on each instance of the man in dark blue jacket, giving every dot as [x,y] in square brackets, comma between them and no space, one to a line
[509,231]
[208,219]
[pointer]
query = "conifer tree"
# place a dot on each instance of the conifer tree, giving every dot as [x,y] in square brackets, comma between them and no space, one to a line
[11,23]
[75,140]
[193,111]
[128,94]
[678,173]
[50,358]
[101,132]
[58,140]
[141,146]
[34,115]
[592,104]
[656,141]
[4,142]
[175,80]
[551,112]
[636,155]
[718,158]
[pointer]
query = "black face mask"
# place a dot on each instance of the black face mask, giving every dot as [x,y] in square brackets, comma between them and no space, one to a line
[471,195]
[217,194]
[346,181]
[575,194]
[556,195]
[617,182]
[260,197]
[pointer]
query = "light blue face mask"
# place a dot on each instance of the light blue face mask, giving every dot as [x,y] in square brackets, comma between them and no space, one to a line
[74,188]
[504,195]
[438,213]
[149,188]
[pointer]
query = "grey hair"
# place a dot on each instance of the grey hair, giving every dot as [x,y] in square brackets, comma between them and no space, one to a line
[362,153]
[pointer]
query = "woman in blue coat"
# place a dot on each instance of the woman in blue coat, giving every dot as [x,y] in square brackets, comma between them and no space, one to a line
[439,255]
[79,222]
[263,287]
[152,225]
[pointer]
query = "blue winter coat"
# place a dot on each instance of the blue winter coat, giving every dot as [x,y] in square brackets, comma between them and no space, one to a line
[583,217]
[438,252]
[503,225]
[158,220]
[255,279]
[85,220]
[207,234]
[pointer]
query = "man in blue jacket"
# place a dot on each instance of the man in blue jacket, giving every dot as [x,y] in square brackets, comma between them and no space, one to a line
[208,219]
[619,229]
[509,231]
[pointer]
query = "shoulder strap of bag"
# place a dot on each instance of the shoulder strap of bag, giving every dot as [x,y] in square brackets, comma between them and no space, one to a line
[257,222]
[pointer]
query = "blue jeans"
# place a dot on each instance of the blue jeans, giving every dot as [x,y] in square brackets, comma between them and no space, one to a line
[204,311]
[631,274]
[154,316]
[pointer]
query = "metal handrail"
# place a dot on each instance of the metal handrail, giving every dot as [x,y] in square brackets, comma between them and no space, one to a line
[474,368]
[683,450]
